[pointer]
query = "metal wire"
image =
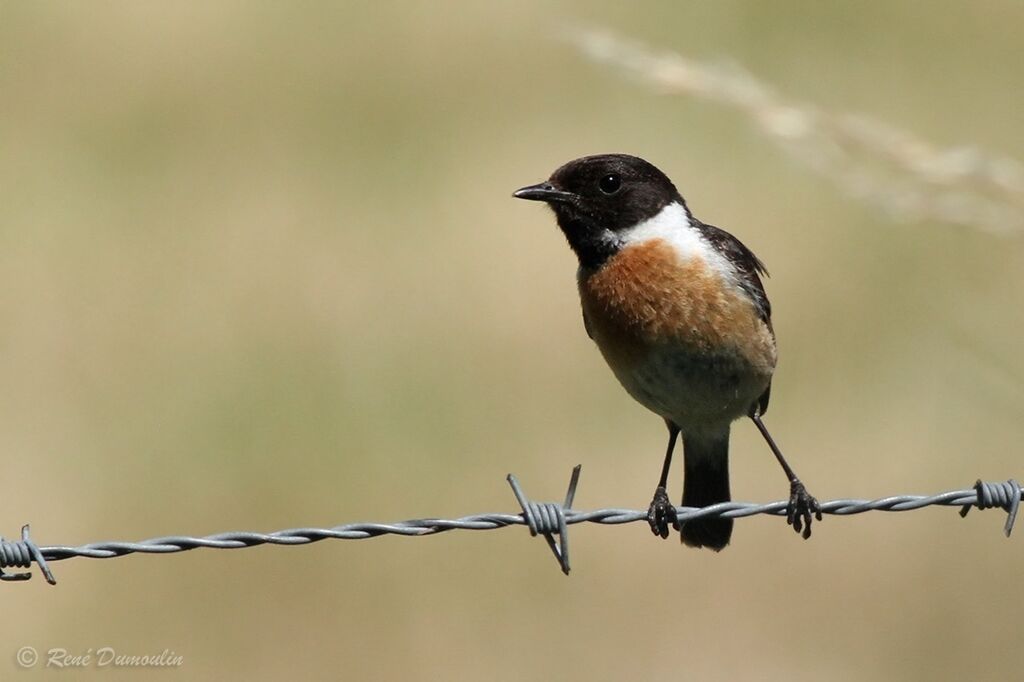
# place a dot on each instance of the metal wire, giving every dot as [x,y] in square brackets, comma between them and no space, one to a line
[21,554]
[547,519]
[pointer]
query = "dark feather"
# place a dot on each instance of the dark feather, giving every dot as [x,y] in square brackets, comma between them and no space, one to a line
[586,325]
[748,266]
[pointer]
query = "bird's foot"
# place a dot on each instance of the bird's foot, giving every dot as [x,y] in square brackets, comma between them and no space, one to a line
[801,509]
[661,513]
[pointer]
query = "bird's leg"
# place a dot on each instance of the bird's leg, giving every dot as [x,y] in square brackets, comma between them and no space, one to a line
[802,506]
[662,511]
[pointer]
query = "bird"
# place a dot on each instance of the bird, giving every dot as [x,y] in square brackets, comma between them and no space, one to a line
[678,310]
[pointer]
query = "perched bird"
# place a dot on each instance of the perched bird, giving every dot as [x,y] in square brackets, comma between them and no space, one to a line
[679,313]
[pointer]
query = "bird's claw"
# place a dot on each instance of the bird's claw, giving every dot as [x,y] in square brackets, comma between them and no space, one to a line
[661,512]
[801,509]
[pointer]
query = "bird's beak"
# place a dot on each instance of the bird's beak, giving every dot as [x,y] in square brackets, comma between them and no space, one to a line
[545,191]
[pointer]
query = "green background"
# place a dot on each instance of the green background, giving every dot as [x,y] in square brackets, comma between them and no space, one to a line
[260,268]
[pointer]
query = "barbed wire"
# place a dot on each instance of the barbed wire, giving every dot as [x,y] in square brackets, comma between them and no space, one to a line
[546,519]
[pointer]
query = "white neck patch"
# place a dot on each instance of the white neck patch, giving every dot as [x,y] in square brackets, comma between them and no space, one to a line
[674,226]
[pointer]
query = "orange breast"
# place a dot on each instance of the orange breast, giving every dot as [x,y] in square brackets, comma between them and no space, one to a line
[647,295]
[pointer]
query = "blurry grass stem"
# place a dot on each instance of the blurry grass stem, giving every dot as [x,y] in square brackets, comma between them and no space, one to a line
[868,159]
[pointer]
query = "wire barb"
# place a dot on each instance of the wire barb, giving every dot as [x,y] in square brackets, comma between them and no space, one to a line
[21,554]
[1003,494]
[548,518]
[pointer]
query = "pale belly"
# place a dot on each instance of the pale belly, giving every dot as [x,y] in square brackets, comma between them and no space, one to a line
[695,390]
[684,341]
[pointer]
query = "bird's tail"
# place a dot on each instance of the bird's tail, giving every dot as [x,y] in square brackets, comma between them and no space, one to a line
[706,482]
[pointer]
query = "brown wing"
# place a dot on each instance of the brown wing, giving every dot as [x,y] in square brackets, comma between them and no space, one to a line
[750,269]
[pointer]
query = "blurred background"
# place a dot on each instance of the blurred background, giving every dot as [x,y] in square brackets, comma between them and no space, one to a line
[261,269]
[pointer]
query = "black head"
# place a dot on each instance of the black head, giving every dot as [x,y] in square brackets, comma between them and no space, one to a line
[595,198]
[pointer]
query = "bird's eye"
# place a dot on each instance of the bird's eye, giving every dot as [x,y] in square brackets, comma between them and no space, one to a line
[610,183]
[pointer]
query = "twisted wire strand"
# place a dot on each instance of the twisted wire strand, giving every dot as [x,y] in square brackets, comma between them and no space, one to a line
[492,521]
[549,519]
[21,554]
